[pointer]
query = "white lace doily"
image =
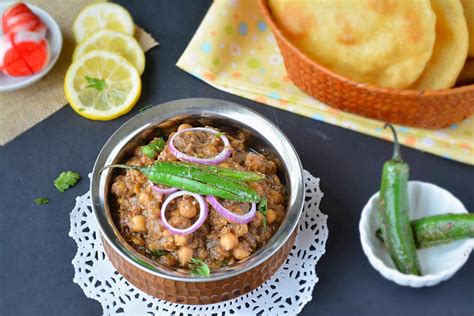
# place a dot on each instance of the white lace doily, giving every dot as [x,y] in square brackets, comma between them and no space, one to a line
[287,292]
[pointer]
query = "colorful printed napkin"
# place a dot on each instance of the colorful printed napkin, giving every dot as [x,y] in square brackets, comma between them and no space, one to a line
[235,51]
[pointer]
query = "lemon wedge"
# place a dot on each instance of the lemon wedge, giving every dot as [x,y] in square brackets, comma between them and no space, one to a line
[116,42]
[101,85]
[99,16]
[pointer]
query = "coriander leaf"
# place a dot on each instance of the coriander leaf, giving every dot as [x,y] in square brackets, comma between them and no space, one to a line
[201,268]
[66,180]
[41,200]
[262,208]
[145,108]
[98,84]
[219,134]
[153,148]
[157,253]
[148,151]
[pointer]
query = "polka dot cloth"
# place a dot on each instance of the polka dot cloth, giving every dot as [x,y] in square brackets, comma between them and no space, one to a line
[235,51]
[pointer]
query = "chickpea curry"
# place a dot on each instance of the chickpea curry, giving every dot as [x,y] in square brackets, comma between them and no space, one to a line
[199,201]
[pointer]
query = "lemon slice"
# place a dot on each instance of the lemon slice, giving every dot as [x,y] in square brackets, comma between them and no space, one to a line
[99,16]
[116,42]
[101,85]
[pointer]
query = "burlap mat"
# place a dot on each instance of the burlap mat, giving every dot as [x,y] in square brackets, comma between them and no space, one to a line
[22,109]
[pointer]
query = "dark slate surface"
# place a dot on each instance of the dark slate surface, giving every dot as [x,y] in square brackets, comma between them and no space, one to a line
[36,252]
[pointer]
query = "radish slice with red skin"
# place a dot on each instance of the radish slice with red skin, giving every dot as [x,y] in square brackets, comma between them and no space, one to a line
[23,54]
[10,58]
[231,216]
[19,18]
[223,155]
[32,25]
[203,211]
[13,10]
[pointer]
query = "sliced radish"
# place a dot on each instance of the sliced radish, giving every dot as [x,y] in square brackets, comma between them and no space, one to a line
[13,10]
[24,54]
[22,20]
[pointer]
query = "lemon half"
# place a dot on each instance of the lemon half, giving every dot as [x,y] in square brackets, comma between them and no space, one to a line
[101,85]
[100,16]
[120,43]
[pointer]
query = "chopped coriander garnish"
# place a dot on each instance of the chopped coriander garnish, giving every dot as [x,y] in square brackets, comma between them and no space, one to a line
[154,147]
[157,253]
[200,269]
[219,134]
[262,208]
[145,108]
[98,84]
[66,180]
[41,200]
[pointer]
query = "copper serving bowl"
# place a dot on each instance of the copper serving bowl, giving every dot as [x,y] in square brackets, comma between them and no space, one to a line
[228,282]
[427,109]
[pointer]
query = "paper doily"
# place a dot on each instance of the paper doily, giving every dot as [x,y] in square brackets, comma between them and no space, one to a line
[287,292]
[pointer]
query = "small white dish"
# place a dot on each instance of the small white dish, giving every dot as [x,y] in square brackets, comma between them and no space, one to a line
[437,263]
[55,40]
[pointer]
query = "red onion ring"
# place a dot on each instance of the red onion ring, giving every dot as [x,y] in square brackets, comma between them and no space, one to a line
[203,210]
[223,155]
[159,190]
[231,216]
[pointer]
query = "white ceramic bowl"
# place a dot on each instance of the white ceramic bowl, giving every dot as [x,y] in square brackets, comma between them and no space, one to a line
[437,263]
[55,40]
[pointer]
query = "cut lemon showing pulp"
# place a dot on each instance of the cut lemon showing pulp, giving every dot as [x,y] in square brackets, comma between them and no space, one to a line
[116,42]
[99,16]
[101,85]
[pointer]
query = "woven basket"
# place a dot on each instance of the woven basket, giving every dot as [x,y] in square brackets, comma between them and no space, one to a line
[197,293]
[431,109]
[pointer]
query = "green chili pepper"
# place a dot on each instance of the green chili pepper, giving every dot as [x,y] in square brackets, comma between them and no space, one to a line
[209,177]
[240,175]
[202,183]
[440,229]
[393,213]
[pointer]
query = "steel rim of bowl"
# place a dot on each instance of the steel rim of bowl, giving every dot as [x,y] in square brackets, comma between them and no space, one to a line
[198,107]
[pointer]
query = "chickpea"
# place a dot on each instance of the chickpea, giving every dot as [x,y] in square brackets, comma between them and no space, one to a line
[168,260]
[275,197]
[271,216]
[240,252]
[210,151]
[240,229]
[168,243]
[179,221]
[187,207]
[257,187]
[181,240]
[119,188]
[185,255]
[258,220]
[145,198]
[136,188]
[137,176]
[183,126]
[138,224]
[202,253]
[138,241]
[229,241]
